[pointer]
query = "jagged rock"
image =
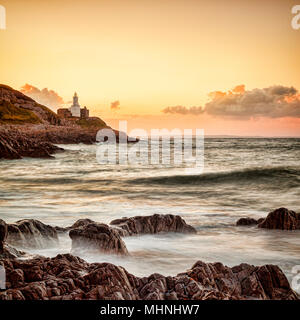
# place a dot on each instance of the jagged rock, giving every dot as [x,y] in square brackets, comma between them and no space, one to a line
[30,233]
[15,144]
[152,224]
[281,218]
[66,277]
[98,236]
[9,252]
[3,234]
[6,251]
[81,223]
[78,224]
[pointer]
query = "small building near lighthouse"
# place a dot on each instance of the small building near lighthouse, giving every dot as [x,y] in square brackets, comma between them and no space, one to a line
[74,112]
[84,113]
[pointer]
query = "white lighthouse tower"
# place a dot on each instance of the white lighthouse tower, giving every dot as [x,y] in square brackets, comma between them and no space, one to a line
[75,107]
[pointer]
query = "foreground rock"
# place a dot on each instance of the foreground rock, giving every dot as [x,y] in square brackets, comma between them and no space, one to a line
[30,233]
[3,234]
[97,236]
[281,218]
[7,251]
[67,277]
[152,224]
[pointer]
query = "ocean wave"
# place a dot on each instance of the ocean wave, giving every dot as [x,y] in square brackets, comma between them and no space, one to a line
[273,175]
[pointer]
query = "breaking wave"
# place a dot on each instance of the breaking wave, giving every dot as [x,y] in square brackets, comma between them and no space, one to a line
[271,175]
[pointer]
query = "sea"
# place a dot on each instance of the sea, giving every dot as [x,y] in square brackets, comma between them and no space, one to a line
[241,177]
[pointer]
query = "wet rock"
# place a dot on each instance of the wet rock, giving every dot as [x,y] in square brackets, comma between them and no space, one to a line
[66,277]
[3,234]
[15,144]
[152,224]
[274,282]
[35,291]
[78,224]
[81,223]
[111,282]
[98,236]
[246,222]
[10,252]
[282,219]
[16,278]
[6,250]
[31,233]
[11,294]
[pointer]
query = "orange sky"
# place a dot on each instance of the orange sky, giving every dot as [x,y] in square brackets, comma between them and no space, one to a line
[149,55]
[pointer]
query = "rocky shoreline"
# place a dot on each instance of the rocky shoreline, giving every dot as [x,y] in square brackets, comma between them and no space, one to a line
[39,141]
[68,277]
[28,129]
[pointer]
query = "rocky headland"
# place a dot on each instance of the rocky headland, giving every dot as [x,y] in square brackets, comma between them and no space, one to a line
[68,277]
[29,129]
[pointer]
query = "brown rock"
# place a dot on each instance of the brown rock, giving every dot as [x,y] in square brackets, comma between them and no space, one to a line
[15,144]
[66,277]
[78,224]
[282,219]
[98,236]
[81,223]
[9,252]
[11,294]
[152,224]
[3,234]
[31,233]
[16,278]
[260,220]
[35,291]
[246,221]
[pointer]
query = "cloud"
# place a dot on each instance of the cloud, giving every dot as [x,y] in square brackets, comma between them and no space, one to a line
[239,89]
[271,102]
[115,105]
[45,97]
[183,110]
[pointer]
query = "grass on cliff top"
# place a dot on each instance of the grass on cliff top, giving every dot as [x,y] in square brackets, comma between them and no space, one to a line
[91,123]
[11,114]
[49,111]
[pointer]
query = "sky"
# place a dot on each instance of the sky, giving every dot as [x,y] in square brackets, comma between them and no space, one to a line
[228,67]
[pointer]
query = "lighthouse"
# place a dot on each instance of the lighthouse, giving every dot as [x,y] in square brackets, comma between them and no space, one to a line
[74,112]
[75,107]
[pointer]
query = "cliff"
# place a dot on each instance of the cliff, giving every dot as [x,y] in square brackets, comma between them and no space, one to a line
[17,108]
[29,129]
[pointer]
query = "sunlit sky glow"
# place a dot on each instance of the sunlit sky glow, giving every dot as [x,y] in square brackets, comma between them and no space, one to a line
[146,56]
